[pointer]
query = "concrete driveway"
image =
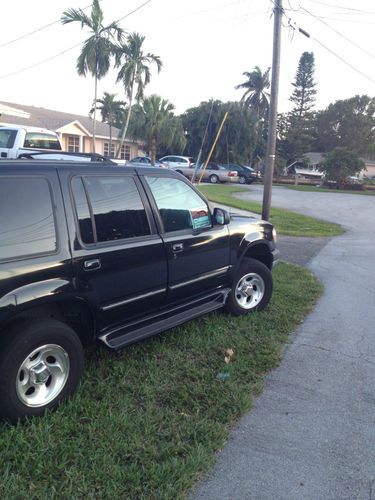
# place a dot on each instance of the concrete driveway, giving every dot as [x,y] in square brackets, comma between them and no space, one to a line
[311,434]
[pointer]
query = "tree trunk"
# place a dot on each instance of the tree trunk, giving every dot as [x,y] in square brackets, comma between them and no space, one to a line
[110,138]
[153,149]
[125,129]
[94,116]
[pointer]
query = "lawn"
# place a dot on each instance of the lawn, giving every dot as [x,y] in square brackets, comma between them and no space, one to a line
[318,189]
[286,222]
[146,421]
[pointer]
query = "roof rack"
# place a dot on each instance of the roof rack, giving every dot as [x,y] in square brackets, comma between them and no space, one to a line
[65,155]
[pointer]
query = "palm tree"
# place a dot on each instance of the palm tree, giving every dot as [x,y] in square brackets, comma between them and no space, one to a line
[256,95]
[154,122]
[110,110]
[97,49]
[134,73]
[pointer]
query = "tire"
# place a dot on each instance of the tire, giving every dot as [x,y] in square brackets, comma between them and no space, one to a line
[214,179]
[251,288]
[250,181]
[40,365]
[242,179]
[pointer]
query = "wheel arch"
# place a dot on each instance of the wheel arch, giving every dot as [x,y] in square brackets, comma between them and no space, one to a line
[74,312]
[258,250]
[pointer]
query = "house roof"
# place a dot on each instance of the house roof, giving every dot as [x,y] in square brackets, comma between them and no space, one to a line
[50,119]
[314,157]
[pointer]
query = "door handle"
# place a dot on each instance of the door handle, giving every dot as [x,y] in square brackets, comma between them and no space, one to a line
[91,265]
[177,247]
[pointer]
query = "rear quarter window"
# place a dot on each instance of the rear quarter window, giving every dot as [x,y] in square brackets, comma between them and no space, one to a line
[27,223]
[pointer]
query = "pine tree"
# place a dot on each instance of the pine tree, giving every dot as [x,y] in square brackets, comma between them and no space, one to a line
[302,118]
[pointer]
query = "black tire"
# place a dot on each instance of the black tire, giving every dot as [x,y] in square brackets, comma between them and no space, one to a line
[257,278]
[214,179]
[242,179]
[30,385]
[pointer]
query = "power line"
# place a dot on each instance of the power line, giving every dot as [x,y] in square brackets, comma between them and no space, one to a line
[66,50]
[342,7]
[340,34]
[294,26]
[36,30]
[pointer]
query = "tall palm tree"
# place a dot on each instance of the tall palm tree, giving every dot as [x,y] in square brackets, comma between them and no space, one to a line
[256,94]
[154,122]
[97,49]
[110,110]
[135,72]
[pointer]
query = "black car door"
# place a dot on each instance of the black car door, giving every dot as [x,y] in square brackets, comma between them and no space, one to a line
[197,250]
[118,257]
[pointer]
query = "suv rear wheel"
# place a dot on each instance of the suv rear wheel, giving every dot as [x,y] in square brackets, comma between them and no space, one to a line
[40,365]
[251,289]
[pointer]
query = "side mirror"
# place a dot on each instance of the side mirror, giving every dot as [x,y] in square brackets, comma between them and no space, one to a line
[221,217]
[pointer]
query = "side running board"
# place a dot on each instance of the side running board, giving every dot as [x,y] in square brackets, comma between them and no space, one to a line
[130,333]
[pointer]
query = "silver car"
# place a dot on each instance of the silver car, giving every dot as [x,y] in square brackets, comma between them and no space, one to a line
[216,173]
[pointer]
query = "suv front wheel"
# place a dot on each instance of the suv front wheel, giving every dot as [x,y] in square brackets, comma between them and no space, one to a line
[40,365]
[251,288]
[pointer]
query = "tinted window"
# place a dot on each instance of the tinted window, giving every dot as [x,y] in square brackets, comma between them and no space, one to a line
[83,212]
[117,208]
[27,223]
[7,138]
[179,205]
[41,141]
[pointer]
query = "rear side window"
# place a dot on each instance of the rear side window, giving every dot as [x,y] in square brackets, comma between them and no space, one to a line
[109,208]
[27,225]
[41,141]
[7,138]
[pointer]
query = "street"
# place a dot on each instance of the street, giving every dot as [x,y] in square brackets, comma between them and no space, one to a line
[310,434]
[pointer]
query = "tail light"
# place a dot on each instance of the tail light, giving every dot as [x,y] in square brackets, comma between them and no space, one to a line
[232,174]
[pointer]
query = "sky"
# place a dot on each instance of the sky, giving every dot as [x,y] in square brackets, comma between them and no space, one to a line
[205,46]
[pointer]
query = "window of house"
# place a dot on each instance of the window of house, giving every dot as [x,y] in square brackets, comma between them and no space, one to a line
[73,144]
[27,224]
[117,211]
[179,205]
[125,152]
[106,152]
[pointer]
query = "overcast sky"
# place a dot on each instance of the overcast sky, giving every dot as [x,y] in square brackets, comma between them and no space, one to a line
[205,46]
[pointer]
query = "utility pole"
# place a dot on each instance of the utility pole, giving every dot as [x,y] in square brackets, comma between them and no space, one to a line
[272,118]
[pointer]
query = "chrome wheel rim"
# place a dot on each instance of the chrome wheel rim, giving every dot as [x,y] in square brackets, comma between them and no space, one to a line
[242,180]
[42,375]
[214,179]
[250,290]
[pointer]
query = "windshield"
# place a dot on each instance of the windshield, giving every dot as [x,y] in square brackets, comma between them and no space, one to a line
[41,141]
[7,138]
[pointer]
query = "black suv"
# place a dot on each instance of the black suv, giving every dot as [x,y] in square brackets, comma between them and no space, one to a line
[92,252]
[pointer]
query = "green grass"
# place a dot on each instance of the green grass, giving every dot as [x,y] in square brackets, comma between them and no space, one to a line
[146,421]
[318,189]
[286,222]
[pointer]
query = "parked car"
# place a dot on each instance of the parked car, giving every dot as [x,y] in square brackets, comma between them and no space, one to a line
[143,161]
[246,174]
[216,173]
[18,139]
[99,253]
[177,162]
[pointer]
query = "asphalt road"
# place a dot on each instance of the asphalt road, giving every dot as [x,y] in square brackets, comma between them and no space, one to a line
[311,434]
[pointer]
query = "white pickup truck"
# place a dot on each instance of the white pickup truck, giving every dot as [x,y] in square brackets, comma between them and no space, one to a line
[16,140]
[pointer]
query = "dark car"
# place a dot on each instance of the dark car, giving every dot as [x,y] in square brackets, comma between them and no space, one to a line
[91,252]
[246,174]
